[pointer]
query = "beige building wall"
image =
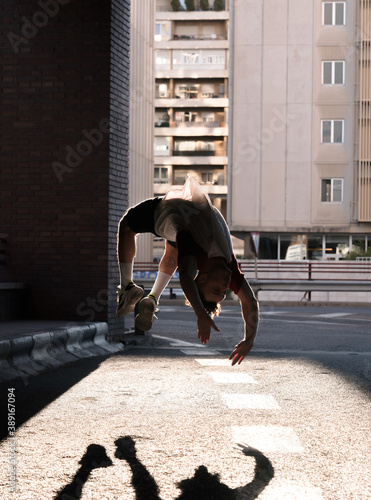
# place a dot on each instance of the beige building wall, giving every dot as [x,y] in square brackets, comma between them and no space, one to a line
[277,159]
[141,136]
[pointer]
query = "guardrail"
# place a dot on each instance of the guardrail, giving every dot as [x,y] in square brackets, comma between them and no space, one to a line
[303,276]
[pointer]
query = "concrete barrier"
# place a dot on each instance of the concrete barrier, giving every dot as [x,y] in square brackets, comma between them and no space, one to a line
[7,372]
[36,353]
[87,341]
[40,351]
[21,356]
[100,339]
[58,347]
[74,334]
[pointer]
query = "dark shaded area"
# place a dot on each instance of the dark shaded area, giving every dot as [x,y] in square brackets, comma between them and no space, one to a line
[143,483]
[95,457]
[32,394]
[203,485]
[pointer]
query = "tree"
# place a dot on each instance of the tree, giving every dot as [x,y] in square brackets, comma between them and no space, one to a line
[359,250]
[218,4]
[175,5]
[190,4]
[204,4]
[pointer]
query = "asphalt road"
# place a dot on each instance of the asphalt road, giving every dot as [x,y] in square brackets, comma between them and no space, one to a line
[160,420]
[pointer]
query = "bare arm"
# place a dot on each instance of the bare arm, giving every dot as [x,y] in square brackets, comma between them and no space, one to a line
[250,314]
[187,266]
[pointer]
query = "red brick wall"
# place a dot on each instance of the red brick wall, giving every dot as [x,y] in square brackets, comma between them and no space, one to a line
[57,157]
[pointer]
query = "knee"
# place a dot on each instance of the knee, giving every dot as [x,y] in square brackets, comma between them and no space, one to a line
[124,228]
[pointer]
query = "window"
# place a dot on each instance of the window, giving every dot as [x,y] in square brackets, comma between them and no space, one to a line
[197,58]
[161,90]
[207,116]
[162,146]
[162,31]
[333,14]
[186,91]
[161,175]
[207,177]
[337,246]
[162,58]
[332,190]
[333,72]
[332,131]
[186,146]
[207,145]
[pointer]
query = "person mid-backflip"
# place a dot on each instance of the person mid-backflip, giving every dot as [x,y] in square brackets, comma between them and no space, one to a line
[198,243]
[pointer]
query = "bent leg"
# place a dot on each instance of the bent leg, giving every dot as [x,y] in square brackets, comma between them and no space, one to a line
[128,293]
[126,245]
[147,306]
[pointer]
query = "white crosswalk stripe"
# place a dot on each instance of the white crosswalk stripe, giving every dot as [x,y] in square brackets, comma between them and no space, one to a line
[333,315]
[213,362]
[265,438]
[200,352]
[268,438]
[288,490]
[232,378]
[250,401]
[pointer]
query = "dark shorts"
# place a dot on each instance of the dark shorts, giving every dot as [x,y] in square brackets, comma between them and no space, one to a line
[140,218]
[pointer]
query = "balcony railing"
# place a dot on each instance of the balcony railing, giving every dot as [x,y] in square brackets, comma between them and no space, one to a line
[219,152]
[162,123]
[200,37]
[208,95]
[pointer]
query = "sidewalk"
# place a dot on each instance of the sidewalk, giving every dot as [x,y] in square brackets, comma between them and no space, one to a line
[28,348]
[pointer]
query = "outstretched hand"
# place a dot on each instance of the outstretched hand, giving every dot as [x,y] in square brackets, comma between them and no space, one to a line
[242,349]
[204,325]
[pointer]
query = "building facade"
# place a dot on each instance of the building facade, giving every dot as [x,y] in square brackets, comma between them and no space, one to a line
[141,114]
[64,140]
[191,100]
[299,156]
[266,103]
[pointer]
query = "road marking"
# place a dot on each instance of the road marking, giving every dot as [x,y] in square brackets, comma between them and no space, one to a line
[200,351]
[269,313]
[232,378]
[308,351]
[213,362]
[291,491]
[250,401]
[333,315]
[270,438]
[177,342]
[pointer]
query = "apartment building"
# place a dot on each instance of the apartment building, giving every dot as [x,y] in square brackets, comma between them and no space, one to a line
[299,131]
[141,114]
[267,104]
[191,96]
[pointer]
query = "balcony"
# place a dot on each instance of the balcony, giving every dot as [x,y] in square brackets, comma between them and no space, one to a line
[191,130]
[160,189]
[180,158]
[205,102]
[194,42]
[196,15]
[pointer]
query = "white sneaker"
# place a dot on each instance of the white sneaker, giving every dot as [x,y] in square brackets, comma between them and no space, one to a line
[127,299]
[144,319]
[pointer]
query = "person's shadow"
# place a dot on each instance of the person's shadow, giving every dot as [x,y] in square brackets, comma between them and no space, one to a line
[203,485]
[94,458]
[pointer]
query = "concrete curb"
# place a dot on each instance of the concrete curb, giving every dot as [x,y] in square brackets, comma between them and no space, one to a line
[7,372]
[34,354]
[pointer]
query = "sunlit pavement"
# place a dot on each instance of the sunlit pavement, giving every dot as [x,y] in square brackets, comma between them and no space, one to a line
[299,404]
